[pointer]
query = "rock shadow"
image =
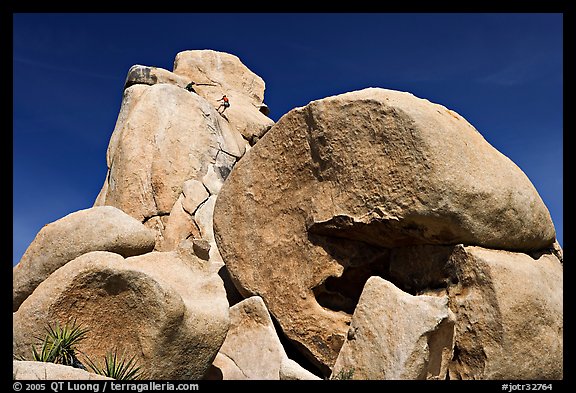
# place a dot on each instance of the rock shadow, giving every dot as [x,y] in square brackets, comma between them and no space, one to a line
[416,269]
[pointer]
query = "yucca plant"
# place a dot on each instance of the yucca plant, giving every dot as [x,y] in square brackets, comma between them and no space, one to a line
[117,367]
[59,344]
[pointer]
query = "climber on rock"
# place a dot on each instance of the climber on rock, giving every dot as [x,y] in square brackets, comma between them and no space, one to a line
[190,88]
[225,104]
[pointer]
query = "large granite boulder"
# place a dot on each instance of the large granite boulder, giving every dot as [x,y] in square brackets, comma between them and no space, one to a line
[509,309]
[337,184]
[103,228]
[170,145]
[164,136]
[166,308]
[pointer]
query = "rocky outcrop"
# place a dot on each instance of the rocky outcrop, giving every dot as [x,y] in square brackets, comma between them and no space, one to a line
[102,228]
[394,335]
[145,75]
[166,308]
[252,349]
[43,371]
[348,178]
[218,73]
[171,151]
[164,137]
[510,315]
[374,233]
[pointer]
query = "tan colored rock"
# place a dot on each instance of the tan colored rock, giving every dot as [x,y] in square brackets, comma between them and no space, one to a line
[170,148]
[212,181]
[224,368]
[201,249]
[252,343]
[218,172]
[204,220]
[210,67]
[179,226]
[194,194]
[394,335]
[355,174]
[102,228]
[218,73]
[167,308]
[509,309]
[252,349]
[164,136]
[140,74]
[292,371]
[43,371]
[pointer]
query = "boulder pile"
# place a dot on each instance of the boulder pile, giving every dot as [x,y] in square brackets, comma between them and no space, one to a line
[368,235]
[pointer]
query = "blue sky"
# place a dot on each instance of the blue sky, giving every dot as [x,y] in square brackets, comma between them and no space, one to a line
[502,72]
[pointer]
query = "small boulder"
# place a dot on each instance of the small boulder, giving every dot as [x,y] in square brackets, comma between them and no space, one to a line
[140,74]
[103,228]
[394,335]
[45,371]
[252,343]
[509,309]
[169,309]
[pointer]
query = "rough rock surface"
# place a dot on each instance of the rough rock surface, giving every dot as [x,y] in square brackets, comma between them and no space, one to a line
[224,368]
[252,343]
[140,74]
[41,371]
[171,150]
[292,371]
[509,309]
[102,228]
[218,73]
[167,308]
[334,184]
[175,227]
[164,137]
[394,335]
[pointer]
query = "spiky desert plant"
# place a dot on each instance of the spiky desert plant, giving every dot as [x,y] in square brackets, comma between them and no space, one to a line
[59,344]
[48,351]
[117,367]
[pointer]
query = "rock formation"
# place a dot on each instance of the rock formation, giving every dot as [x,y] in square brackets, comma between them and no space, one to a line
[28,370]
[170,150]
[510,315]
[252,349]
[168,157]
[102,228]
[252,343]
[369,235]
[216,73]
[168,308]
[394,335]
[347,185]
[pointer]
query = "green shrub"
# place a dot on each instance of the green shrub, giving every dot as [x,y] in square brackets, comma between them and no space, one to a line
[59,344]
[117,367]
[344,374]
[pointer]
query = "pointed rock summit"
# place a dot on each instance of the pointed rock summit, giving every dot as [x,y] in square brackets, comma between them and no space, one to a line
[170,146]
